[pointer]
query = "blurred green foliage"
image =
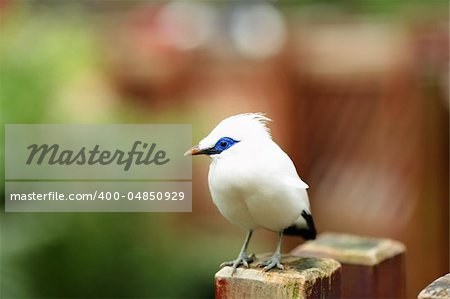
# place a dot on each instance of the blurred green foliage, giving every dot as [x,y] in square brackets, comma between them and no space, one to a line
[82,255]
[38,54]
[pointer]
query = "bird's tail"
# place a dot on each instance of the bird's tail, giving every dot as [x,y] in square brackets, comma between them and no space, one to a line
[307,232]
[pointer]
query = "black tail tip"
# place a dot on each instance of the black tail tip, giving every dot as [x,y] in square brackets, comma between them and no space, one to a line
[308,233]
[305,233]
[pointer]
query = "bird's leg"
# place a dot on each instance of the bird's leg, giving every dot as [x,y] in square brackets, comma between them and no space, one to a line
[275,260]
[243,258]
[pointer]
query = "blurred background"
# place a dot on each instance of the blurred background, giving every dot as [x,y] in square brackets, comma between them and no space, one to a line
[358,91]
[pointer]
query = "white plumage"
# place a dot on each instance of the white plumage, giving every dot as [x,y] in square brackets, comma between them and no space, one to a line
[254,183]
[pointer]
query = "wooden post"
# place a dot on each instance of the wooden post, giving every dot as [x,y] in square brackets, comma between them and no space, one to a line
[371,268]
[438,289]
[301,278]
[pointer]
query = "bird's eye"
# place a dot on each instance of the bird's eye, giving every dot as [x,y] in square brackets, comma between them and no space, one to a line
[223,144]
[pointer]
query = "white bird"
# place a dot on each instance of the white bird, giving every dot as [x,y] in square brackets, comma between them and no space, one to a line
[254,183]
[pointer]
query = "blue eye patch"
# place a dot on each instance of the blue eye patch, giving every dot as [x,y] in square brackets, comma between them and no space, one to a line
[221,145]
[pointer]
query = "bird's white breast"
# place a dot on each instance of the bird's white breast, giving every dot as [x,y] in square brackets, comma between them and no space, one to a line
[257,187]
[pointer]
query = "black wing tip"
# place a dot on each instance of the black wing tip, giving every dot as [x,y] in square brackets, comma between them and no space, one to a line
[308,233]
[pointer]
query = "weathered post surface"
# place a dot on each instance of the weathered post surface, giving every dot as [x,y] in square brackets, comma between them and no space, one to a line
[438,289]
[301,278]
[371,268]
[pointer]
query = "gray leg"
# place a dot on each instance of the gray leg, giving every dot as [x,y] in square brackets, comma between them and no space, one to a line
[243,258]
[275,260]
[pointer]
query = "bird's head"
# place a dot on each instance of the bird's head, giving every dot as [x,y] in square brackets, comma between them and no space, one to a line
[250,128]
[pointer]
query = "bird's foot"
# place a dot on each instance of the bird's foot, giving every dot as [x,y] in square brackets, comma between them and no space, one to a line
[243,259]
[274,261]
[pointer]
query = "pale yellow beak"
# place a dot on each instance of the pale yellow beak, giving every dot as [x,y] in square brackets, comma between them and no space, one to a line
[195,150]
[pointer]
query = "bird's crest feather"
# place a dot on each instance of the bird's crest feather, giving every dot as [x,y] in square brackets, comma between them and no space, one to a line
[258,117]
[239,127]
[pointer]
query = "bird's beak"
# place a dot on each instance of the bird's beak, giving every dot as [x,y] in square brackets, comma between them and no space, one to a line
[195,150]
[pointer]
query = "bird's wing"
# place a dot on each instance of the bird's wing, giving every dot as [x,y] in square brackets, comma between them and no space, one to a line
[285,169]
[295,182]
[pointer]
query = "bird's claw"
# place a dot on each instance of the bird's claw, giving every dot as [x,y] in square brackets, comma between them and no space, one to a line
[273,262]
[243,259]
[250,258]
